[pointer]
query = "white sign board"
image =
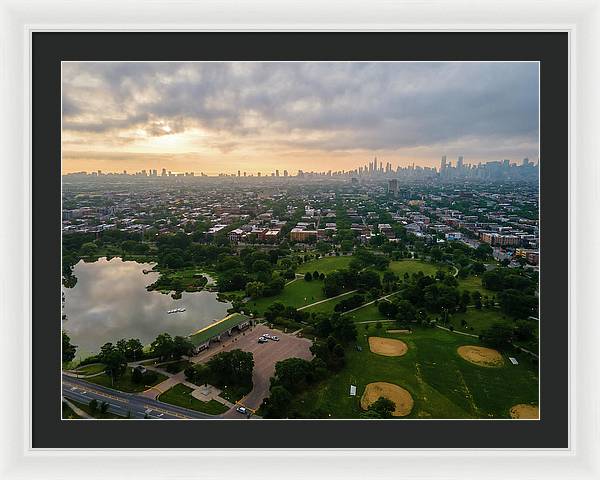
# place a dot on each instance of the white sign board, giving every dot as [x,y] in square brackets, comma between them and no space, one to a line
[353,390]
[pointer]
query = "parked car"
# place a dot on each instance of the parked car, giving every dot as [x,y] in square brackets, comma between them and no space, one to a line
[262,340]
[274,338]
[241,410]
[266,335]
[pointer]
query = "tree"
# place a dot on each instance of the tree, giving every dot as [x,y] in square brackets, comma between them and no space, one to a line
[255,289]
[478,268]
[524,330]
[389,279]
[308,276]
[346,245]
[277,405]
[406,312]
[104,407]
[465,298]
[88,249]
[497,335]
[261,266]
[518,304]
[476,299]
[93,405]
[232,368]
[68,350]
[162,346]
[135,349]
[294,374]
[114,359]
[383,406]
[182,346]
[483,252]
[436,254]
[387,309]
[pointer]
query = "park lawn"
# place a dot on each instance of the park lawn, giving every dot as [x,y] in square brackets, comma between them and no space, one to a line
[175,367]
[234,394]
[442,384]
[90,369]
[473,283]
[366,314]
[400,267]
[329,305]
[181,395]
[297,294]
[124,382]
[478,320]
[326,264]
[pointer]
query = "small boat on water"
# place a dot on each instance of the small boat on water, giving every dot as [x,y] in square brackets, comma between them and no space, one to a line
[176,310]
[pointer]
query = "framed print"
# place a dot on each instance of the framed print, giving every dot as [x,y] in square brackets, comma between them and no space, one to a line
[285,243]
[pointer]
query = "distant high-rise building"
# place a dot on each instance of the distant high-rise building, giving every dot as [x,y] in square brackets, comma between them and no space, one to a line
[459,163]
[239,173]
[285,173]
[244,174]
[259,174]
[277,172]
[443,164]
[124,172]
[164,172]
[525,162]
[393,186]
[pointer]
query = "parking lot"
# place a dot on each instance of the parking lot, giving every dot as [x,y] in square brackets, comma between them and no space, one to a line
[266,355]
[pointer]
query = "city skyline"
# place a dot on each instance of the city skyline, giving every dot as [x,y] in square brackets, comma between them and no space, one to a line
[262,117]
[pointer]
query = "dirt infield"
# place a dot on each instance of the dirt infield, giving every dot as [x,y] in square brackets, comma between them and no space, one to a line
[398,331]
[401,397]
[387,346]
[524,410]
[482,356]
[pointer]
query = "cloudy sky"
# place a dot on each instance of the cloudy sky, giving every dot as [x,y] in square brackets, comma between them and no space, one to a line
[221,117]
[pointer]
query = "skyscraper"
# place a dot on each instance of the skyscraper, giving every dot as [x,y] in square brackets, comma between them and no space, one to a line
[443,165]
[459,163]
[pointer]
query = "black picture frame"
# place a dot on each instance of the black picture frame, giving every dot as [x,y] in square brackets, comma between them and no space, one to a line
[550,49]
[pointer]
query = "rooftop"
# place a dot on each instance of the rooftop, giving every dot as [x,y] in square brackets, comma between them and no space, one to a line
[217,328]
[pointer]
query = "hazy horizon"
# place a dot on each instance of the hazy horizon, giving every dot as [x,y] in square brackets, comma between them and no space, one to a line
[218,117]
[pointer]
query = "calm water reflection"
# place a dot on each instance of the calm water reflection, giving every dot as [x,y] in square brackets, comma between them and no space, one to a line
[110,302]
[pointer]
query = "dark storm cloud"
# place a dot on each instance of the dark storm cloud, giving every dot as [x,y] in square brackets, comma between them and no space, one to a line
[327,106]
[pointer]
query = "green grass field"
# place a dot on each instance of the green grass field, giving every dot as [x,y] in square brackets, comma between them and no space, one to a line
[442,384]
[478,320]
[124,382]
[401,267]
[180,395]
[296,294]
[90,369]
[327,307]
[473,283]
[325,265]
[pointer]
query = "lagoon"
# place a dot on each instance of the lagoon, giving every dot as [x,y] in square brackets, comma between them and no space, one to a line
[110,302]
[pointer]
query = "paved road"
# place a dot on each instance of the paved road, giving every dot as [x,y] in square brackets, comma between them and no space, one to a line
[121,403]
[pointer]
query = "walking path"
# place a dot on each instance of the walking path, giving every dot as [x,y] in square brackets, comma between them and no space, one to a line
[385,297]
[456,331]
[327,300]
